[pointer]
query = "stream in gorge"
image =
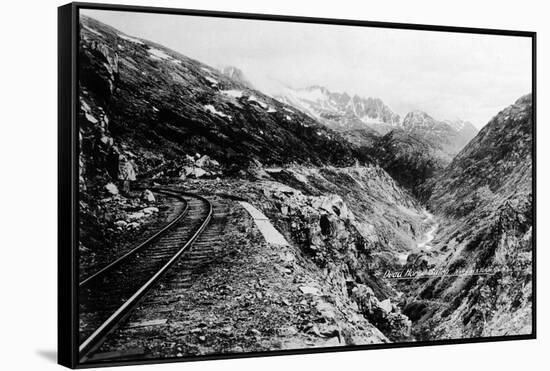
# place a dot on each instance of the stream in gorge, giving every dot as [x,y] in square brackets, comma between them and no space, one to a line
[425,241]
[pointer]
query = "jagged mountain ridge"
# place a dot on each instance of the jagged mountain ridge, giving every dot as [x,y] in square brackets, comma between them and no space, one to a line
[450,135]
[340,111]
[362,119]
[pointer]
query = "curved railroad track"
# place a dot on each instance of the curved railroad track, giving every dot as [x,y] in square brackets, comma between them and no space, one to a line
[107,296]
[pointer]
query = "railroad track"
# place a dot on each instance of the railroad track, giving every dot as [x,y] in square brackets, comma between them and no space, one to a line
[109,295]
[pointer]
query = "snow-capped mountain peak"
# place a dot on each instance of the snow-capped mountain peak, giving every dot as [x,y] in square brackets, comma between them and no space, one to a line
[340,111]
[450,135]
[461,125]
[418,119]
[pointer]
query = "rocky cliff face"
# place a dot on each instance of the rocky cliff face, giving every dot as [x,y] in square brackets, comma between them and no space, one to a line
[340,111]
[496,163]
[485,199]
[375,199]
[351,223]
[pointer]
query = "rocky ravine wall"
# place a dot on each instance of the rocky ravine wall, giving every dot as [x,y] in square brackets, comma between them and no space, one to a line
[351,251]
[485,202]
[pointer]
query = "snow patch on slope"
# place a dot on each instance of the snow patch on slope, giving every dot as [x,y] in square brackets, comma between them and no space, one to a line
[254,99]
[233,93]
[92,30]
[211,109]
[131,39]
[211,80]
[158,54]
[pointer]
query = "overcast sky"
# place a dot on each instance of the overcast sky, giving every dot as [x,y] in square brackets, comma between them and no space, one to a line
[448,75]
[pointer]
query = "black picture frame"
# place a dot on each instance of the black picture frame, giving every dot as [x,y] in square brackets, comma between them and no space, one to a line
[68,36]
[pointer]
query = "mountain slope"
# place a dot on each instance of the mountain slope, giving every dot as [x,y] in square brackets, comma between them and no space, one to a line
[484,199]
[161,106]
[408,158]
[497,160]
[417,150]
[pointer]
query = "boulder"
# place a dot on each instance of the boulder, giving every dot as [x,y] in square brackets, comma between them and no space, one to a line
[107,141]
[189,159]
[383,314]
[136,215]
[309,290]
[284,210]
[398,327]
[203,161]
[112,188]
[386,305]
[148,196]
[206,162]
[126,170]
[192,171]
[334,204]
[198,172]
[150,210]
[121,223]
[326,310]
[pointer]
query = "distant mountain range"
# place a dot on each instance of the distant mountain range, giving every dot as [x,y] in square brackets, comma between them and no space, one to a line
[450,135]
[365,117]
[341,111]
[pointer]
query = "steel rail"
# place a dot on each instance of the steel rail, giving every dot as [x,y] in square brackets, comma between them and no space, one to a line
[97,337]
[149,240]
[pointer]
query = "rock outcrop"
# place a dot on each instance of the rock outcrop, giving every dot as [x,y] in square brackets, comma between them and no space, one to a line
[386,316]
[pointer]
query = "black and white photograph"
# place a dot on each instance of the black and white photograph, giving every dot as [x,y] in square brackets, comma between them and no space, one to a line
[248,186]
